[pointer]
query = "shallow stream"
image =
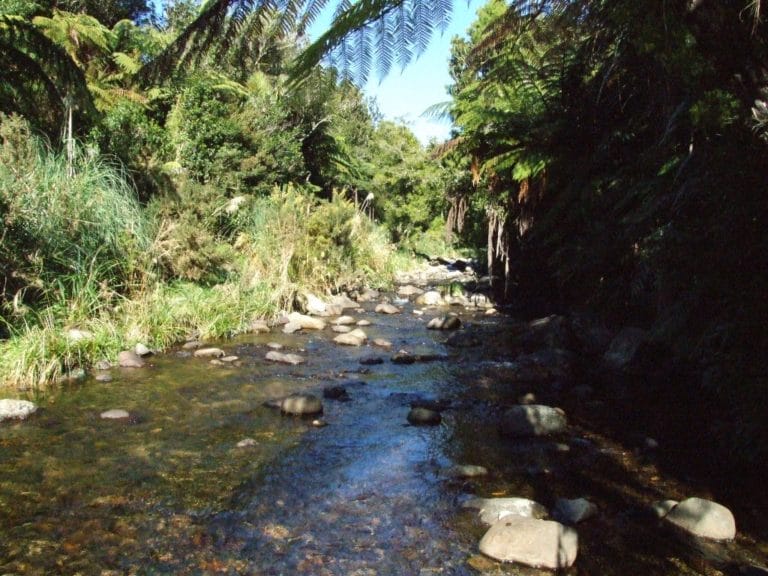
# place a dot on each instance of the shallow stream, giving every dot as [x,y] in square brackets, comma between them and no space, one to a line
[170,492]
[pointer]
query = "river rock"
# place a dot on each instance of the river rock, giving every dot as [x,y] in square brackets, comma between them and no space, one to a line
[403,357]
[209,353]
[382,343]
[343,301]
[663,507]
[281,358]
[129,359]
[573,511]
[354,338]
[537,543]
[103,377]
[704,518]
[444,323]
[142,350]
[336,393]
[343,321]
[363,323]
[532,420]
[624,347]
[230,359]
[491,312]
[303,322]
[314,305]
[409,290]
[192,345]
[431,298]
[368,295]
[386,308]
[341,329]
[12,409]
[246,443]
[465,471]
[302,405]
[115,414]
[424,417]
[275,346]
[491,510]
[372,360]
[259,326]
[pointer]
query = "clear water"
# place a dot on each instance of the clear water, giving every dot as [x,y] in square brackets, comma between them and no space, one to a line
[169,492]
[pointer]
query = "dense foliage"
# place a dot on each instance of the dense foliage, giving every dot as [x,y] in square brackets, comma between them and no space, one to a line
[618,150]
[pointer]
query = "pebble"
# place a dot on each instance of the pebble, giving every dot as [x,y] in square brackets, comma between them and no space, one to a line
[115,414]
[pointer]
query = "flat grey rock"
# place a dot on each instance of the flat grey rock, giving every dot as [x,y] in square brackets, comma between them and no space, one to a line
[537,543]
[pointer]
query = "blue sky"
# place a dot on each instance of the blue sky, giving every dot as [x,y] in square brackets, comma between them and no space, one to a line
[405,95]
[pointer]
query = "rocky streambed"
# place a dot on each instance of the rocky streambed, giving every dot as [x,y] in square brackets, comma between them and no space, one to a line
[410,433]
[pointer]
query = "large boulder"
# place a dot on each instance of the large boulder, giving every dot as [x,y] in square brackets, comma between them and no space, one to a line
[491,510]
[703,518]
[532,420]
[12,409]
[301,405]
[537,543]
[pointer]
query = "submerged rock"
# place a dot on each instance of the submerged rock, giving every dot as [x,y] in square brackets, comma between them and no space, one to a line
[129,359]
[573,511]
[537,543]
[465,471]
[246,443]
[491,510]
[302,405]
[444,323]
[275,356]
[12,409]
[336,393]
[532,420]
[209,353]
[703,518]
[355,337]
[424,417]
[382,343]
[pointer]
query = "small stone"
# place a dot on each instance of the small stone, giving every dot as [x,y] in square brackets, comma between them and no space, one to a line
[444,323]
[573,511]
[385,308]
[336,393]
[293,359]
[466,471]
[663,507]
[129,359]
[431,298]
[532,420]
[103,377]
[382,343]
[12,409]
[301,405]
[403,357]
[491,510]
[259,326]
[372,360]
[102,365]
[115,414]
[343,321]
[529,398]
[142,350]
[319,423]
[193,345]
[409,290]
[246,443]
[363,323]
[274,345]
[209,353]
[230,359]
[342,329]
[491,312]
[305,322]
[424,416]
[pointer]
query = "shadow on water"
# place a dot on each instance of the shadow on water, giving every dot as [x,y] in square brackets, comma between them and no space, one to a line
[169,491]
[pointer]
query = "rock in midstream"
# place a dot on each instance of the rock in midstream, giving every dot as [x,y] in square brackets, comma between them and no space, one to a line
[385,308]
[301,405]
[703,518]
[532,420]
[275,356]
[444,323]
[491,510]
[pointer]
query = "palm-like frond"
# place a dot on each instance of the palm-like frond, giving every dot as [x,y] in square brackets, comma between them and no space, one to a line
[39,76]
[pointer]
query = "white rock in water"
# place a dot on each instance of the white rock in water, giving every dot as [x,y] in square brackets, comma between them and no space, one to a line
[142,350]
[305,322]
[465,471]
[537,543]
[115,414]
[431,298]
[704,518]
[491,510]
[302,405]
[343,321]
[12,409]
